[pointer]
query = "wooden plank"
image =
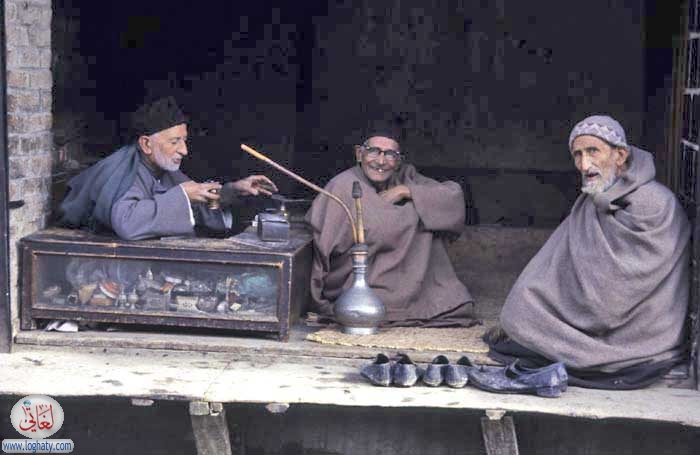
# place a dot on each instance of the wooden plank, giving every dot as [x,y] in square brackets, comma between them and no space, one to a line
[59,236]
[210,429]
[229,377]
[296,345]
[499,435]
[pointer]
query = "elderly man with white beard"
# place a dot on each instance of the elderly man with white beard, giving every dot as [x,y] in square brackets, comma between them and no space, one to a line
[607,294]
[139,192]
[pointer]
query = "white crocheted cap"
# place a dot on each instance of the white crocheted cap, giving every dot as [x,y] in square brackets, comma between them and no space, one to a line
[600,126]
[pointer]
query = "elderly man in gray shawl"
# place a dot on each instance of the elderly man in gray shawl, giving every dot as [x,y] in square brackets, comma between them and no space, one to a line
[407,217]
[607,294]
[139,192]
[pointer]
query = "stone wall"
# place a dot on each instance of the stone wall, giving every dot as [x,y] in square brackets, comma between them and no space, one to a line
[29,119]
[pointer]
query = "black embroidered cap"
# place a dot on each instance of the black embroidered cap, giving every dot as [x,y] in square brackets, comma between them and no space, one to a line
[158,115]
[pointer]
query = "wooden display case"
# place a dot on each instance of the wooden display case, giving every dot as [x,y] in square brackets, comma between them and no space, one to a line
[239,283]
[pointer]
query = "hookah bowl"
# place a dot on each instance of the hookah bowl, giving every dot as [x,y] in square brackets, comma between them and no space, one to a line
[358,309]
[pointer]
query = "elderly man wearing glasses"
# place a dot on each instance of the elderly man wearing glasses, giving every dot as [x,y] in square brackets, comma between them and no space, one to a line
[406,216]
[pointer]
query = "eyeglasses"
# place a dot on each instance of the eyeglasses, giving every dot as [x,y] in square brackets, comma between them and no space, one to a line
[374,152]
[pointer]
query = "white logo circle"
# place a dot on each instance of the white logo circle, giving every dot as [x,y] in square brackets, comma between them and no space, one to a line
[37,416]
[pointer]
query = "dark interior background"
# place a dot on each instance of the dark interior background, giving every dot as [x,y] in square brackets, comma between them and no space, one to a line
[482,92]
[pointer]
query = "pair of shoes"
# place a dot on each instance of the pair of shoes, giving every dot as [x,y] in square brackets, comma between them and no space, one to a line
[440,371]
[383,372]
[549,381]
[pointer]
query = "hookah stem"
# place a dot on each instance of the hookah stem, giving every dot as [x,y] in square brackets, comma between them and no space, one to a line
[360,222]
[357,195]
[302,180]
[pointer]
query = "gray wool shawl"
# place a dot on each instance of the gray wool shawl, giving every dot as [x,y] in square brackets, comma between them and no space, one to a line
[408,269]
[609,289]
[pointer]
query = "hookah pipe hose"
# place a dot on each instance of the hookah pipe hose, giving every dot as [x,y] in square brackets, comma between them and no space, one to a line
[314,187]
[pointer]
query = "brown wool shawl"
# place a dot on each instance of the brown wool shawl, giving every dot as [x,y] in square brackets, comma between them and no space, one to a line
[609,289]
[408,265]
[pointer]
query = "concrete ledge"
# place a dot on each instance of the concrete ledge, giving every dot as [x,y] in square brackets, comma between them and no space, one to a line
[235,378]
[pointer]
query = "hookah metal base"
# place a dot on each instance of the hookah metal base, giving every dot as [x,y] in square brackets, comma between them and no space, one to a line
[359,330]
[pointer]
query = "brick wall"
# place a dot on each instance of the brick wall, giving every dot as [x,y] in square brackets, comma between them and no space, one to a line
[29,82]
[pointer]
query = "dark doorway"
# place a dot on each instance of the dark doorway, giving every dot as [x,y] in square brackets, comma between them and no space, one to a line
[483,92]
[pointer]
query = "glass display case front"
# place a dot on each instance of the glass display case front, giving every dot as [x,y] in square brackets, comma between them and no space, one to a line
[238,283]
[157,287]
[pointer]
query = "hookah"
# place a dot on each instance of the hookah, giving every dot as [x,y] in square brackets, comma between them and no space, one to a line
[358,309]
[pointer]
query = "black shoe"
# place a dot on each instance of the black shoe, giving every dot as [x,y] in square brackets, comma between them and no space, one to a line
[545,382]
[558,367]
[435,373]
[457,375]
[405,373]
[379,371]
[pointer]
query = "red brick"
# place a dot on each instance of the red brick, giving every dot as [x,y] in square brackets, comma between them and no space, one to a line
[46,183]
[28,123]
[35,206]
[39,35]
[31,187]
[15,189]
[30,14]
[15,123]
[23,101]
[17,167]
[46,100]
[12,58]
[37,143]
[10,11]
[18,79]
[13,144]
[16,35]
[17,219]
[23,57]
[40,166]
[41,79]
[45,57]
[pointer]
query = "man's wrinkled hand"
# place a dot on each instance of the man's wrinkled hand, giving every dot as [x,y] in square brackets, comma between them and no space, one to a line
[201,192]
[396,194]
[254,185]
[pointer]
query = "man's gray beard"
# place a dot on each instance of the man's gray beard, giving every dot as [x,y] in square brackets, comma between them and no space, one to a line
[602,187]
[163,162]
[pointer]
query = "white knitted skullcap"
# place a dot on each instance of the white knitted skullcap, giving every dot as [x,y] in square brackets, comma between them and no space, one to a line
[600,126]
